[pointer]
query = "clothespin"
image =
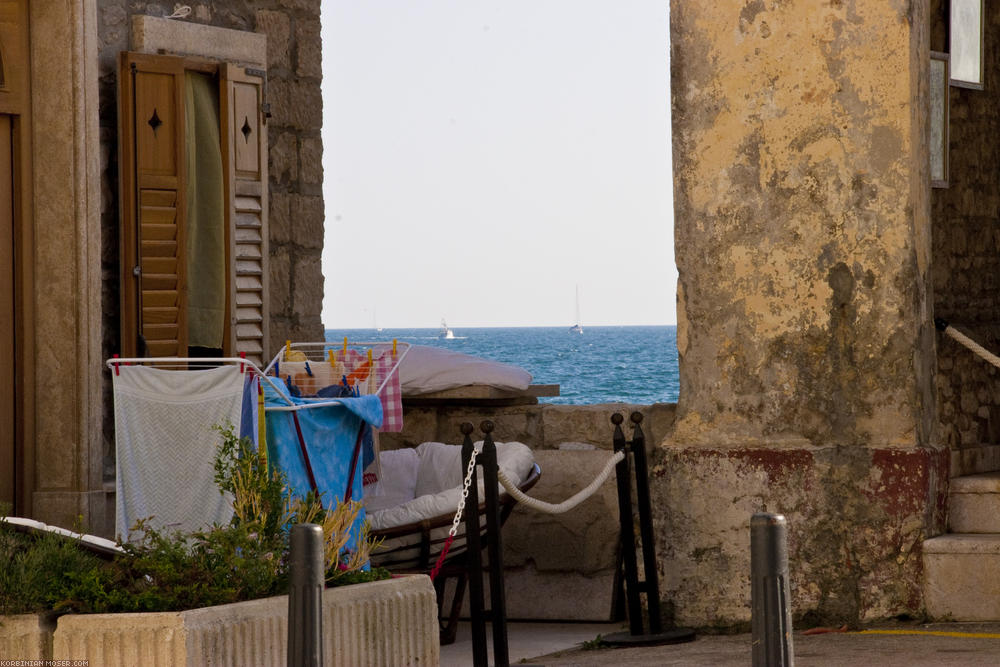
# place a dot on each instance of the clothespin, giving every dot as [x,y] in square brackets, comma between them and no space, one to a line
[369,358]
[288,349]
[243,355]
[394,347]
[308,370]
[345,347]
[329,357]
[115,364]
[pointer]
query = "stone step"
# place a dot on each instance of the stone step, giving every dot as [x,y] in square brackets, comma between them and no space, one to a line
[974,503]
[962,577]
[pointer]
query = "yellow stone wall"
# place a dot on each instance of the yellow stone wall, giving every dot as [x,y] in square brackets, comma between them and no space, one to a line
[802,230]
[802,222]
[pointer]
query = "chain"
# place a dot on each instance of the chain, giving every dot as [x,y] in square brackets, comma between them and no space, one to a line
[465,494]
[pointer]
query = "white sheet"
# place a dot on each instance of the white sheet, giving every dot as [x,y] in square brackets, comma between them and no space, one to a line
[166,444]
[426,369]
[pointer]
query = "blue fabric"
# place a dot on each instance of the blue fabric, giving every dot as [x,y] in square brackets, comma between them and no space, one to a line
[248,415]
[330,434]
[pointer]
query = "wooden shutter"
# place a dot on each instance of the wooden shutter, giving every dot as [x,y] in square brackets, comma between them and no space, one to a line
[153,208]
[245,161]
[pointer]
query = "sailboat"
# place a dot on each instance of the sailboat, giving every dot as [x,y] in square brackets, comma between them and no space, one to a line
[577,328]
[445,331]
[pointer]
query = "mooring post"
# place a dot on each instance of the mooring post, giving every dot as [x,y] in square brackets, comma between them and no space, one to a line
[474,555]
[770,601]
[305,597]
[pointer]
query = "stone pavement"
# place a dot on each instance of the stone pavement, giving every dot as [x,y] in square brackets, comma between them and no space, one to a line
[946,644]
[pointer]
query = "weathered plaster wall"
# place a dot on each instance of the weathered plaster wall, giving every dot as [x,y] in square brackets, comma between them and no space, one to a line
[295,157]
[804,325]
[966,259]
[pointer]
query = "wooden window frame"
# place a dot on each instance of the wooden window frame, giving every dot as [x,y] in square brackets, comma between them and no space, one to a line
[246,204]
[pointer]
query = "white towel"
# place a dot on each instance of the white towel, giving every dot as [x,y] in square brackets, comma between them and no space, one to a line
[166,444]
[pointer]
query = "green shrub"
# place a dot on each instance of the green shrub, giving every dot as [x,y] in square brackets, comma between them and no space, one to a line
[244,560]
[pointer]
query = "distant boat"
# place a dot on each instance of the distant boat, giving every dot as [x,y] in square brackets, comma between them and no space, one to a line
[445,331]
[577,328]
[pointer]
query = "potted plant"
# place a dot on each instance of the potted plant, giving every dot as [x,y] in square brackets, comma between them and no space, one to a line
[214,596]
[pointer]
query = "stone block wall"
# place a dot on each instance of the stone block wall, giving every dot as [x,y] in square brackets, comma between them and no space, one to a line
[556,567]
[539,426]
[295,158]
[966,260]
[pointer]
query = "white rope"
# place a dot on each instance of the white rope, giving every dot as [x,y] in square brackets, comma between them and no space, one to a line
[566,505]
[972,345]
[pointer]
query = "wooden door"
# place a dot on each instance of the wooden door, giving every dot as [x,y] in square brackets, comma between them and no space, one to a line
[8,426]
[245,160]
[153,200]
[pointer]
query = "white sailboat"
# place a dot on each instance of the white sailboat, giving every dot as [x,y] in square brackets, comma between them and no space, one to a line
[577,328]
[445,331]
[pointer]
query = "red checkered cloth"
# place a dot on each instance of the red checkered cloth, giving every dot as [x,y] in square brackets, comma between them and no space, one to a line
[391,395]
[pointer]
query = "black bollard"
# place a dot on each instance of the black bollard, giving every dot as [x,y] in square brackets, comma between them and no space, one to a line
[305,597]
[770,602]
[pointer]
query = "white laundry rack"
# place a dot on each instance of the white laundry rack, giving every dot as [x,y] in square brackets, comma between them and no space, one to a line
[316,349]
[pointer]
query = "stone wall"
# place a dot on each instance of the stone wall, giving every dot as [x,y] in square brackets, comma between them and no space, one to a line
[805,331]
[966,260]
[541,426]
[556,567]
[295,158]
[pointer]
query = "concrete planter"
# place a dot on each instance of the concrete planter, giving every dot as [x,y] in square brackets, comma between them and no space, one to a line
[392,622]
[26,637]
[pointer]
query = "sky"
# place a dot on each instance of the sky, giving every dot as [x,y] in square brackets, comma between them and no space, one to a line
[484,159]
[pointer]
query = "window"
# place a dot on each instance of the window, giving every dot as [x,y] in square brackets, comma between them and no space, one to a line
[193,173]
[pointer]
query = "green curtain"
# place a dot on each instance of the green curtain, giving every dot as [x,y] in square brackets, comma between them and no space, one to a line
[206,234]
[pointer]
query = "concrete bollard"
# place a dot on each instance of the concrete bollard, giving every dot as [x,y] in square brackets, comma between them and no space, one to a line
[770,601]
[305,597]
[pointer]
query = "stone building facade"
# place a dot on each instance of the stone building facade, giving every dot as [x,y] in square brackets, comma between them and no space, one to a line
[294,74]
[62,291]
[813,258]
[966,263]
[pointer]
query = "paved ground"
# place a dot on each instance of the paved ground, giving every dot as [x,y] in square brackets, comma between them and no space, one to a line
[957,645]
[945,644]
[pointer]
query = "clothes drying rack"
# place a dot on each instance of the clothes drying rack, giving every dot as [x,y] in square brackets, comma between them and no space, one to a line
[315,352]
[280,400]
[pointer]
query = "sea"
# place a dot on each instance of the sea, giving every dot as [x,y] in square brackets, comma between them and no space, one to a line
[628,364]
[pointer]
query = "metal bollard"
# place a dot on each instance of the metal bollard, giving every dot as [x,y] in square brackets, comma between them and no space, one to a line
[305,597]
[770,602]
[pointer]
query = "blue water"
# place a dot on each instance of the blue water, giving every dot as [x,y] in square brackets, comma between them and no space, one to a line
[601,365]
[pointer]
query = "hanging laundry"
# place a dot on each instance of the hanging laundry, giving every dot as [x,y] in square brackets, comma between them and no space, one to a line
[391,396]
[249,417]
[165,445]
[321,448]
